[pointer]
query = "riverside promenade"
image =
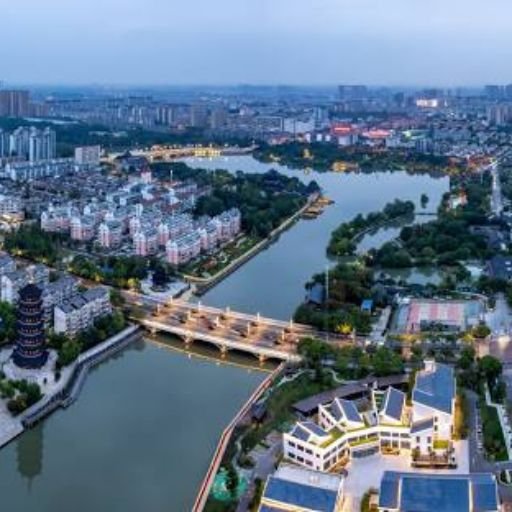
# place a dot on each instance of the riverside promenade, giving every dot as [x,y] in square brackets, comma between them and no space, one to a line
[226,438]
[62,392]
[203,284]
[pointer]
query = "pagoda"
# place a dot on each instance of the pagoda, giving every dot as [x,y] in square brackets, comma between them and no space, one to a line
[30,349]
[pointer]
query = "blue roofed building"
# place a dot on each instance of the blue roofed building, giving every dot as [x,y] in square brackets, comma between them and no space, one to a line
[292,488]
[423,492]
[383,423]
[392,406]
[433,402]
[316,294]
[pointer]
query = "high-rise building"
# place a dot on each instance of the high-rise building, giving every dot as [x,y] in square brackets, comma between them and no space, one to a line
[42,145]
[165,115]
[498,114]
[19,143]
[14,103]
[4,144]
[88,155]
[352,92]
[218,118]
[49,144]
[30,350]
[198,115]
[494,91]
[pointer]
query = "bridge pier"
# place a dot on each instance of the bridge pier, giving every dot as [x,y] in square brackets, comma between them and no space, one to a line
[262,358]
[223,351]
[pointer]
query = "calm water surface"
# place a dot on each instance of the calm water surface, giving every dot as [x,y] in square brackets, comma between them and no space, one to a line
[272,283]
[139,438]
[141,435]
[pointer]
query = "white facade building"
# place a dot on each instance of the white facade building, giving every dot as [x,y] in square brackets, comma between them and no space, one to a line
[79,312]
[347,429]
[88,155]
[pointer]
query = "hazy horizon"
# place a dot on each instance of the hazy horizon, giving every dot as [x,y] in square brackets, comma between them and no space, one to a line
[263,42]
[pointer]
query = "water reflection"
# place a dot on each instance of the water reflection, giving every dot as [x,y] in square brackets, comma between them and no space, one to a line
[29,451]
[272,283]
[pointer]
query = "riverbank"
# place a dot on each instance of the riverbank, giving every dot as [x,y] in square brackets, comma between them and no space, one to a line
[329,157]
[67,388]
[226,437]
[344,238]
[205,284]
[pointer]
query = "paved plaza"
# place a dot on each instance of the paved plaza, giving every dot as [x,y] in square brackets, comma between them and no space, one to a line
[367,472]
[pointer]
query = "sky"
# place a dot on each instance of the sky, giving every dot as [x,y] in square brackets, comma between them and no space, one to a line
[307,42]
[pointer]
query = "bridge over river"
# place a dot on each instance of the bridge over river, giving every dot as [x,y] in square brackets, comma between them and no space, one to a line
[266,338]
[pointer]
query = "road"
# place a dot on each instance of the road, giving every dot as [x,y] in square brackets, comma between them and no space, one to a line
[500,319]
[496,197]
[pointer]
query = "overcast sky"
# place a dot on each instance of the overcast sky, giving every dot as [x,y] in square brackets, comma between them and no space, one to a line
[390,42]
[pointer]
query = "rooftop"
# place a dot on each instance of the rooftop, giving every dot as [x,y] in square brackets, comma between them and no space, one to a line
[435,388]
[302,489]
[393,404]
[421,492]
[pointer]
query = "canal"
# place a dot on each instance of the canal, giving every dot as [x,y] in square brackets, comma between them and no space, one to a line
[141,435]
[139,438]
[272,283]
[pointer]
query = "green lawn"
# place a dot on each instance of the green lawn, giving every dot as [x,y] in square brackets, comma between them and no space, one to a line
[279,412]
[494,442]
[441,444]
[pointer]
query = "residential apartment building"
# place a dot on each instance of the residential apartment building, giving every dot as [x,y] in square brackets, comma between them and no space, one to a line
[145,242]
[7,264]
[57,292]
[58,220]
[83,228]
[88,155]
[80,311]
[25,171]
[12,283]
[110,234]
[11,207]
[183,249]
[42,145]
[14,103]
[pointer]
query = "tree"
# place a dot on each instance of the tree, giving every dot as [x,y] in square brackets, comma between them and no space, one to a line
[481,330]
[7,322]
[467,358]
[69,352]
[386,362]
[160,277]
[232,480]
[490,368]
[116,298]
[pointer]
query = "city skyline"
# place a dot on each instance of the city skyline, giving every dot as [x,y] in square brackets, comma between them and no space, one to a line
[463,43]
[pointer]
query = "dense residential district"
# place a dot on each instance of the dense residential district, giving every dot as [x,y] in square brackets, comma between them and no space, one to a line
[390,387]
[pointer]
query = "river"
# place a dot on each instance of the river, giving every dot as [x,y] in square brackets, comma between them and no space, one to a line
[272,283]
[139,438]
[142,432]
